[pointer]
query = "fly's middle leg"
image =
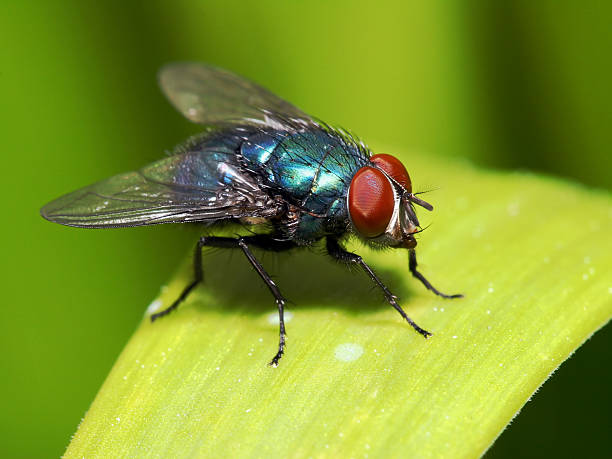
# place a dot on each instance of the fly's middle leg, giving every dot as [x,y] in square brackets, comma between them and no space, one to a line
[280,300]
[262,241]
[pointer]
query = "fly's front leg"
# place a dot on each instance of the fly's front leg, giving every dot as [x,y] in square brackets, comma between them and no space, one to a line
[412,263]
[340,254]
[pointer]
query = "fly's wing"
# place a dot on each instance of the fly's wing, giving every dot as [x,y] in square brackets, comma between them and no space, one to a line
[191,187]
[211,96]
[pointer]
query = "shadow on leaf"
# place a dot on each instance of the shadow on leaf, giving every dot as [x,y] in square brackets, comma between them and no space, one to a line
[308,278]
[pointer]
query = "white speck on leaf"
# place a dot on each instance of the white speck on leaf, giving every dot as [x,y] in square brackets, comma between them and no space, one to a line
[514,209]
[154,306]
[273,318]
[348,352]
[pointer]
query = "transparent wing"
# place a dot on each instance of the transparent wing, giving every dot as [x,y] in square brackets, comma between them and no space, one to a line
[192,187]
[209,95]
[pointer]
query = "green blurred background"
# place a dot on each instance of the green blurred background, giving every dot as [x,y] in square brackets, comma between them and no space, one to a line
[512,85]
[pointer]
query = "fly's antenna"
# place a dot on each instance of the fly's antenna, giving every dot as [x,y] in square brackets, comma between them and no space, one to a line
[426,191]
[412,198]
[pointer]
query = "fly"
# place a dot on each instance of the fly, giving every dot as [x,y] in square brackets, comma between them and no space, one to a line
[260,162]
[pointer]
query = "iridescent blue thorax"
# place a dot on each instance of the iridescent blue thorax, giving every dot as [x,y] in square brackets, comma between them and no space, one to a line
[312,170]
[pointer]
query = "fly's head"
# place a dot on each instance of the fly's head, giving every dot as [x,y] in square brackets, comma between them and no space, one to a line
[381,204]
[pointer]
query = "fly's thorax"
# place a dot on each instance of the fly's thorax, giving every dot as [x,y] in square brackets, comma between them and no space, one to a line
[302,163]
[380,204]
[312,170]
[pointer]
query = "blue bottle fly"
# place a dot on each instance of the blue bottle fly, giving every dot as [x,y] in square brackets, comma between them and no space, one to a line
[261,162]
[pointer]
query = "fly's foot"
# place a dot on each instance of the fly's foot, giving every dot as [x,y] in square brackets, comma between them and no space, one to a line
[274,362]
[165,312]
[281,348]
[420,331]
[392,299]
[450,297]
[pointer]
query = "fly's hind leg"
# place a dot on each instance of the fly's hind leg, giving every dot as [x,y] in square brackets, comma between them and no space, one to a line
[198,276]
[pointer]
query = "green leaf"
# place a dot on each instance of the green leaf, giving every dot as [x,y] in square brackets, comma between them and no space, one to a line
[531,255]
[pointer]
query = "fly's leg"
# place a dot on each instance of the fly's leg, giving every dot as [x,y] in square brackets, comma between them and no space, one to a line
[339,253]
[412,264]
[278,297]
[262,241]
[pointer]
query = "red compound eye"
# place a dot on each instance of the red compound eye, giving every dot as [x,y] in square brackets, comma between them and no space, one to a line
[392,166]
[371,201]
